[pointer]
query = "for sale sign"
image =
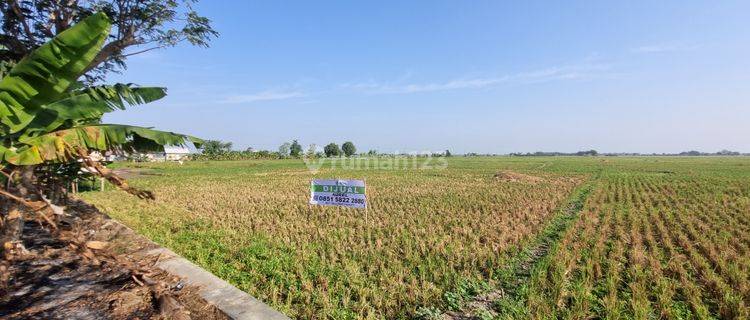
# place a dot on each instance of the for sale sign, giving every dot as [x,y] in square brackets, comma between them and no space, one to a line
[347,193]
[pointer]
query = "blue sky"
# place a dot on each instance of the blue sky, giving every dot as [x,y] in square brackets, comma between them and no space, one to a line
[469,76]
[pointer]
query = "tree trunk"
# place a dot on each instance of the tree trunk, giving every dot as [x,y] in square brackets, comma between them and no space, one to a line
[12,227]
[110,49]
[14,212]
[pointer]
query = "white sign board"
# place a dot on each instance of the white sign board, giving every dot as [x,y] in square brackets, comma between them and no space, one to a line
[347,193]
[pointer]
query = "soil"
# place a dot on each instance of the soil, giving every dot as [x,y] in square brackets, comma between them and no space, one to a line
[92,268]
[511,176]
[129,173]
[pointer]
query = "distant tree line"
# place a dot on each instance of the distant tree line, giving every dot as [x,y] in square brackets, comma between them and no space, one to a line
[719,153]
[614,154]
[216,147]
[220,150]
[547,154]
[691,153]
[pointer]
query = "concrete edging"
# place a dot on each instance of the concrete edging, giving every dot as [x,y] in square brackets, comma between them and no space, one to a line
[234,302]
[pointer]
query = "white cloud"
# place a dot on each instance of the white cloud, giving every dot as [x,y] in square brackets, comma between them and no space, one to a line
[263,96]
[572,72]
[560,73]
[662,47]
[373,87]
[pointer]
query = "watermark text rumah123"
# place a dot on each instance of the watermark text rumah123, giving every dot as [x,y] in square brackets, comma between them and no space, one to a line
[396,161]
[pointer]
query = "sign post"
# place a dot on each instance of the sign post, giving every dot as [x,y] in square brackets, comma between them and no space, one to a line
[345,193]
[364,181]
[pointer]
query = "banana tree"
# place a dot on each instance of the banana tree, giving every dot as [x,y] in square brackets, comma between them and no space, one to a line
[48,118]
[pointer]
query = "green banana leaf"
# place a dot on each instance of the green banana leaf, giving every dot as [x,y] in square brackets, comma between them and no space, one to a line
[90,104]
[62,145]
[46,74]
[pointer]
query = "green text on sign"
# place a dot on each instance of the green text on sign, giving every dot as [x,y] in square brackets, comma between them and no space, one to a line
[344,193]
[338,189]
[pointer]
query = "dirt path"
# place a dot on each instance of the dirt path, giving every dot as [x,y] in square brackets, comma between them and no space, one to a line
[129,173]
[519,269]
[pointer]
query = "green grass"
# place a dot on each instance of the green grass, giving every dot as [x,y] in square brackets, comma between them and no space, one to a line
[435,239]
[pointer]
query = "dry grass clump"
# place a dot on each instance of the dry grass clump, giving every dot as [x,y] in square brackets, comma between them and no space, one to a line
[510,176]
[652,246]
[427,230]
[644,245]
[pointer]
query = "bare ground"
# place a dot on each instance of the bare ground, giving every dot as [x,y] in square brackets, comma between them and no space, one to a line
[511,176]
[92,268]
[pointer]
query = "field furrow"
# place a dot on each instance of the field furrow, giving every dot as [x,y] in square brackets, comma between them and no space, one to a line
[648,237]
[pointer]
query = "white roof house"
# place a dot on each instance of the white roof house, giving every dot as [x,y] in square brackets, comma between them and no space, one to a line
[176,150]
[171,153]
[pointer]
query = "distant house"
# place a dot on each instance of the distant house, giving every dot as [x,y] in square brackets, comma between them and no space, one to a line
[171,153]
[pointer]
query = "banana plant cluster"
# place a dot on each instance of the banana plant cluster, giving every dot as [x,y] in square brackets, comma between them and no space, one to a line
[46,116]
[48,119]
